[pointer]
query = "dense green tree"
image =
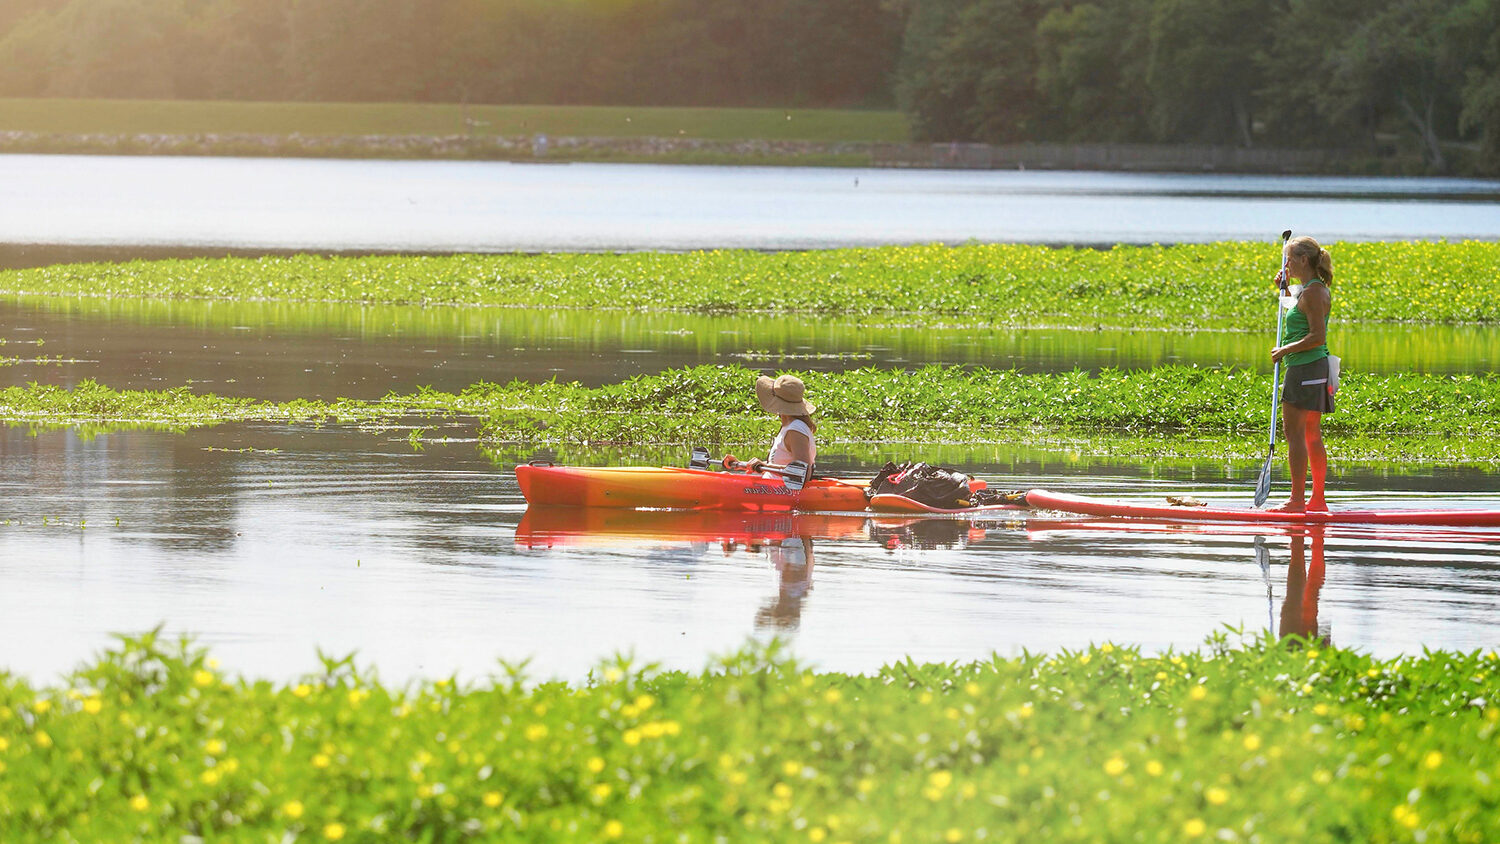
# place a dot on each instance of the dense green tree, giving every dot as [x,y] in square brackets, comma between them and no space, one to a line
[1481,91]
[969,70]
[1201,71]
[1092,69]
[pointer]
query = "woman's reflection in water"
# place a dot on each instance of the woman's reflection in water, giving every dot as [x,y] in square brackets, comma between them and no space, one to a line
[1304,580]
[793,559]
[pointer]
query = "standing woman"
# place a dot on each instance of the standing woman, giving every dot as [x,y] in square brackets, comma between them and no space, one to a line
[1303,348]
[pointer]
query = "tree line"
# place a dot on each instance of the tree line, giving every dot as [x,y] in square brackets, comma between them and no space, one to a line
[806,53]
[1346,74]
[1368,75]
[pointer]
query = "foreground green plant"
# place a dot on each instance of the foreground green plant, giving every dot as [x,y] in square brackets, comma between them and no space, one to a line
[1220,285]
[1270,741]
[1162,412]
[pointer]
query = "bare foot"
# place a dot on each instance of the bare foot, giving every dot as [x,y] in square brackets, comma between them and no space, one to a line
[1317,505]
[1291,506]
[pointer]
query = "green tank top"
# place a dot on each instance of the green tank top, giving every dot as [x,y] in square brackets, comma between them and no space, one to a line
[1294,327]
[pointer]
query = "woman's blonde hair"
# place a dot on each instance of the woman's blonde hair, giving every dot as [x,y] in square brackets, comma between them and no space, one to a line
[1316,256]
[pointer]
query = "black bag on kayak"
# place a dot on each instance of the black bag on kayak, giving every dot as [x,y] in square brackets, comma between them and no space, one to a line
[931,485]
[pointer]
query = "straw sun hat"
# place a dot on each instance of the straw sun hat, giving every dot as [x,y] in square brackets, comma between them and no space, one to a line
[783,396]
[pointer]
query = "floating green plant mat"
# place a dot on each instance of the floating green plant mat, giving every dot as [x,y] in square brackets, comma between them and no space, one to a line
[1269,741]
[1163,412]
[1192,285]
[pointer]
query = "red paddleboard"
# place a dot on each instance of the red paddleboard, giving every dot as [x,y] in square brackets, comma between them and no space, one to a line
[889,502]
[1041,499]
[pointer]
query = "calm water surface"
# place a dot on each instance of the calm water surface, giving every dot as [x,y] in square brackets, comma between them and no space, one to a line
[282,351]
[426,562]
[445,206]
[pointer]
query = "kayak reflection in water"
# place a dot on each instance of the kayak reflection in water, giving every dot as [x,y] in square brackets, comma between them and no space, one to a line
[1304,580]
[793,559]
[1311,374]
[785,396]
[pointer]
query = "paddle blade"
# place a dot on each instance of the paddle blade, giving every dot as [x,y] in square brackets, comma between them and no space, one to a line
[1263,555]
[700,458]
[797,474]
[1263,486]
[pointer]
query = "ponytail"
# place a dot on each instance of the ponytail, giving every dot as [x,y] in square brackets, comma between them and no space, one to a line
[1324,267]
[1316,257]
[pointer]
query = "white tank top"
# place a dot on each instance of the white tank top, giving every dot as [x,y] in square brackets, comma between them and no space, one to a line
[781,455]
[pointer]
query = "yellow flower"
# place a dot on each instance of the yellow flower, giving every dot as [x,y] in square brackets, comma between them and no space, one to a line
[1252,742]
[321,760]
[653,729]
[1194,828]
[595,765]
[738,777]
[671,728]
[93,705]
[645,702]
[614,829]
[292,809]
[940,779]
[43,740]
[1154,768]
[1216,796]
[613,675]
[1025,710]
[1161,675]
[817,834]
[1198,693]
[1321,709]
[536,732]
[333,831]
[210,776]
[866,785]
[1115,766]
[4,744]
[953,836]
[492,798]
[203,678]
[632,737]
[833,696]
[1432,760]
[602,790]
[782,790]
[1107,648]
[1373,672]
[140,802]
[791,769]
[41,707]
[1313,653]
[302,690]
[214,747]
[1322,777]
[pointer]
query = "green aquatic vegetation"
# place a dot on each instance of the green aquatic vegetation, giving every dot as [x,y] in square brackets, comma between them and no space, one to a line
[1173,409]
[1265,740]
[1166,412]
[1218,285]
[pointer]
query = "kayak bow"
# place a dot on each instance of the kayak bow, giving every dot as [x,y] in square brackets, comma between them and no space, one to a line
[669,487]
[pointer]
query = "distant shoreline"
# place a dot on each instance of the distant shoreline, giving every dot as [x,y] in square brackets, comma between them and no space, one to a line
[710,151]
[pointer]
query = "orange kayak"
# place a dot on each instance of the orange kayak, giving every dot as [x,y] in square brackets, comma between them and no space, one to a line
[669,487]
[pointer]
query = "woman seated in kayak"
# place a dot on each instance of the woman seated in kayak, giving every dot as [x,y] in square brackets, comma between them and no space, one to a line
[784,396]
[1303,349]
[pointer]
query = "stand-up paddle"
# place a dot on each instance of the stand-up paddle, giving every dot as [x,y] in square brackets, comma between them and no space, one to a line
[1263,486]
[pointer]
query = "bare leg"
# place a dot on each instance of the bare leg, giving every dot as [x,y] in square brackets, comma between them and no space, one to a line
[1294,423]
[1317,457]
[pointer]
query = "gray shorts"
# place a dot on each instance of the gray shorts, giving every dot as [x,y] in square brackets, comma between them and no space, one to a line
[1306,386]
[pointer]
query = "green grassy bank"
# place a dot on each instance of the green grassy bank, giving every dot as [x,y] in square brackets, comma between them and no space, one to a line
[176,117]
[1220,285]
[1172,411]
[1268,741]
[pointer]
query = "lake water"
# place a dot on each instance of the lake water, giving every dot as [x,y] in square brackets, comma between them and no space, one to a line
[439,206]
[284,351]
[270,541]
